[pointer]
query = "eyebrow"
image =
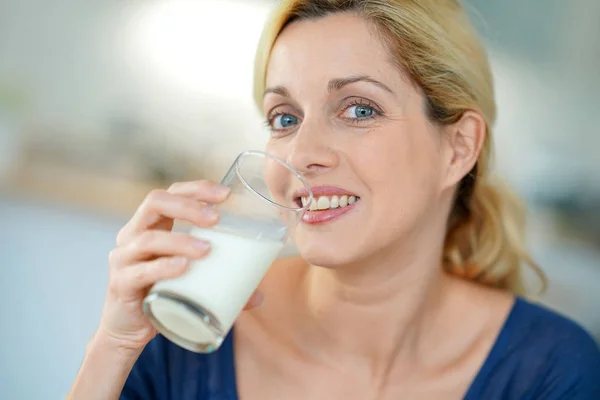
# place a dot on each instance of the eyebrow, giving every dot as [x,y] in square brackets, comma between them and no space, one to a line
[334,85]
[340,83]
[280,90]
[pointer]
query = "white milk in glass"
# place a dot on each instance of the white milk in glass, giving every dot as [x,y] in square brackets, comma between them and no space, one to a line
[220,283]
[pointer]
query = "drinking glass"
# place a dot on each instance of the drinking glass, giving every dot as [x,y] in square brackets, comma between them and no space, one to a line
[267,199]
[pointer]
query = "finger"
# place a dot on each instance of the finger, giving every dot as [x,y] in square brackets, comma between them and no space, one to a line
[146,274]
[255,300]
[160,205]
[155,243]
[205,191]
[201,191]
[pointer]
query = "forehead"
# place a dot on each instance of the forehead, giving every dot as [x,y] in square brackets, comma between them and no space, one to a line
[332,46]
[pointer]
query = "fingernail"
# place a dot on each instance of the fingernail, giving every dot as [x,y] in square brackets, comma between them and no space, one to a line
[222,190]
[201,244]
[210,213]
[179,261]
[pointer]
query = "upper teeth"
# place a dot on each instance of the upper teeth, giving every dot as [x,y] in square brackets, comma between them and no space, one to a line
[329,202]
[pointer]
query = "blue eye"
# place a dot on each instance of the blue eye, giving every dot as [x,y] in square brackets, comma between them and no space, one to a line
[283,121]
[359,112]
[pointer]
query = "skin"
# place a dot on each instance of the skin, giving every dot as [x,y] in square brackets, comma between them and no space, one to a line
[367,311]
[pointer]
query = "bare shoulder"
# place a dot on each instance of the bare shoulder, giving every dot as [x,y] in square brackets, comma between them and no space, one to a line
[481,299]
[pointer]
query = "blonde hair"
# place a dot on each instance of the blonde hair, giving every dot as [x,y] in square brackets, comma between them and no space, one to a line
[434,42]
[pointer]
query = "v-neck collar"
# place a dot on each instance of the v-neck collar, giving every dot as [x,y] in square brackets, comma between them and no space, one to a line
[498,348]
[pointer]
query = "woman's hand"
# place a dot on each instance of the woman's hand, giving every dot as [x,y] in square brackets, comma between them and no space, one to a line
[148,251]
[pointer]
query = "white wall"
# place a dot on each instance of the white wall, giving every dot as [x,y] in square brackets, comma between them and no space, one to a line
[53,266]
[177,67]
[546,137]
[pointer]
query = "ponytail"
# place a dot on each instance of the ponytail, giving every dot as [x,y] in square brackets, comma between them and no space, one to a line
[485,238]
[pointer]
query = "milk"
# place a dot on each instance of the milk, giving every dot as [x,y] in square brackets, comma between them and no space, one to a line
[220,285]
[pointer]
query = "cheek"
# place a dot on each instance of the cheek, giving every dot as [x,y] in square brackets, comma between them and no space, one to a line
[402,170]
[400,158]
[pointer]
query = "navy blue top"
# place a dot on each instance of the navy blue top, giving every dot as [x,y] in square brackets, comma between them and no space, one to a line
[537,355]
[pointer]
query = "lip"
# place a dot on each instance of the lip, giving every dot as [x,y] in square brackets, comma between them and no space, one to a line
[324,216]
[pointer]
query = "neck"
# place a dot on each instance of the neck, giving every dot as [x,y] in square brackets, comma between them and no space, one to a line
[373,313]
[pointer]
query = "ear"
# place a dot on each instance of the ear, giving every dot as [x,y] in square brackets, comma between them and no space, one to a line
[463,141]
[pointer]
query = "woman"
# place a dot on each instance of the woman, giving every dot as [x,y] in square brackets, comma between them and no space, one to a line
[411,293]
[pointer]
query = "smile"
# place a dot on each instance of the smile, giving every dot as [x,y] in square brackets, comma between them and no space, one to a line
[330,202]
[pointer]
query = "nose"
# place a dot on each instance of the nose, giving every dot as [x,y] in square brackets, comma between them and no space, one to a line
[311,152]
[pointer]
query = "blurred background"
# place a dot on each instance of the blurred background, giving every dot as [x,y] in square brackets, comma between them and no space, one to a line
[102,101]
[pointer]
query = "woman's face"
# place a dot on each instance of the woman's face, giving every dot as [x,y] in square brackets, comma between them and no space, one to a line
[350,121]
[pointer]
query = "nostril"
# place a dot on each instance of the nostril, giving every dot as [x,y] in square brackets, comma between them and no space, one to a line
[316,168]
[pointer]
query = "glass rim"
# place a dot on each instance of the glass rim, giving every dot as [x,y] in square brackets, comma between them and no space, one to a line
[264,154]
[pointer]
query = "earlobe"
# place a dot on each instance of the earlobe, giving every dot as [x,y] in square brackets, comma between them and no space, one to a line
[465,138]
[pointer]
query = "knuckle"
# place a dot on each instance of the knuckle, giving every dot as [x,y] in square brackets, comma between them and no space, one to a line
[115,283]
[152,198]
[113,257]
[141,273]
[122,236]
[176,186]
[155,194]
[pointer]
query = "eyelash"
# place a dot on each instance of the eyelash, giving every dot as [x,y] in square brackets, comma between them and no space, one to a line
[365,103]
[355,102]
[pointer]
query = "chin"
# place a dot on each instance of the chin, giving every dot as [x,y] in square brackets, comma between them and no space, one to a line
[317,250]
